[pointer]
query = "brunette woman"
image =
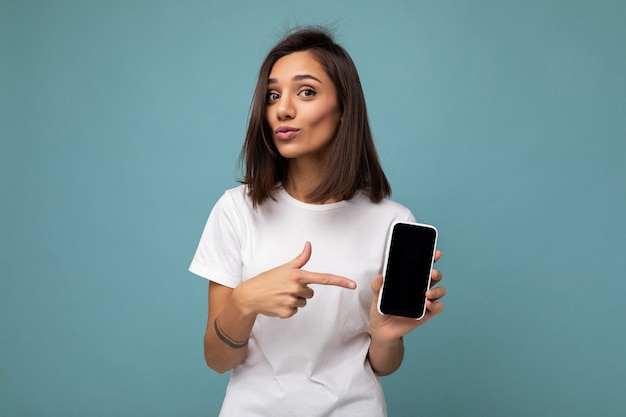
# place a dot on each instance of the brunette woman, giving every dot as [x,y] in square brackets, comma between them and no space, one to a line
[302,335]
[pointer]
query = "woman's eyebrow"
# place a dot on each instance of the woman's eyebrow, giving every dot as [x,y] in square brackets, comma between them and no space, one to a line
[299,77]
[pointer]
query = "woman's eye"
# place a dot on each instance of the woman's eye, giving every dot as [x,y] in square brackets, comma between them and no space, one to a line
[307,92]
[271,96]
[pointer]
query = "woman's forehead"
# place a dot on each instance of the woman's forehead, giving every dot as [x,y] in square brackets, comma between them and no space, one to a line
[297,65]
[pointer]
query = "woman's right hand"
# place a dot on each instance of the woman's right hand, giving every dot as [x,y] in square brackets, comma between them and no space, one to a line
[281,291]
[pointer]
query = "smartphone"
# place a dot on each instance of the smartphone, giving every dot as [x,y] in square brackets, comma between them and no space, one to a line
[408,264]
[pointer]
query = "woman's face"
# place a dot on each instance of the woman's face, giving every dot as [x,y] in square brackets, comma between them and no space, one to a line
[301,108]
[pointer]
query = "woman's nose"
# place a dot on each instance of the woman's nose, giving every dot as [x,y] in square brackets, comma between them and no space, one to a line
[285,109]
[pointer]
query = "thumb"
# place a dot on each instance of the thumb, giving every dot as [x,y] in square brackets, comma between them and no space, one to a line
[301,260]
[376,284]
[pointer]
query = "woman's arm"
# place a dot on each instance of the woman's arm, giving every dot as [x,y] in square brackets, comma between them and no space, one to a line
[279,292]
[385,356]
[233,324]
[387,347]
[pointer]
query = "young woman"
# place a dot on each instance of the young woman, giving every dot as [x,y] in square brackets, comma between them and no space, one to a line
[302,335]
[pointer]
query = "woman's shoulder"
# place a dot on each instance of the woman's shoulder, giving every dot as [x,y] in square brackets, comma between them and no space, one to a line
[238,193]
[235,198]
[398,208]
[386,205]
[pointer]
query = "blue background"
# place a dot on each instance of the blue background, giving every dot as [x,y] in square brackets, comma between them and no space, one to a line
[501,122]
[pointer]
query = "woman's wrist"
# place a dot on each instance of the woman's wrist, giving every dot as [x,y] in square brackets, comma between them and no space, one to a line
[385,356]
[387,343]
[235,344]
[240,303]
[234,323]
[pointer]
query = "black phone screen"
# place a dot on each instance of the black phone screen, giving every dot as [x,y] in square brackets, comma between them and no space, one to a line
[407,275]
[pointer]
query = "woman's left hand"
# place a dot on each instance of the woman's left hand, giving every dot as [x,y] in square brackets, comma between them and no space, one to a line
[388,327]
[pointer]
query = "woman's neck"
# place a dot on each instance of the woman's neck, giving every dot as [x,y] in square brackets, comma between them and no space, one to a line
[302,179]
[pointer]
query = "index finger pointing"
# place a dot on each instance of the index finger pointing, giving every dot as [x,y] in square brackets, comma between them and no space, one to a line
[327,279]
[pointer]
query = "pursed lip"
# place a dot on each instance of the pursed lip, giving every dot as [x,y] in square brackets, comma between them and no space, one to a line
[286,132]
[284,129]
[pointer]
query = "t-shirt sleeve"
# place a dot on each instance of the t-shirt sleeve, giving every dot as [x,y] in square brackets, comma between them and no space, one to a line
[218,256]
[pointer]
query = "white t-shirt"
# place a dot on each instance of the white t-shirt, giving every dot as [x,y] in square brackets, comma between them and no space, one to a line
[314,363]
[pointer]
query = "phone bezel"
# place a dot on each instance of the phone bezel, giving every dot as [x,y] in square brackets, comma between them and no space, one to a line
[387,254]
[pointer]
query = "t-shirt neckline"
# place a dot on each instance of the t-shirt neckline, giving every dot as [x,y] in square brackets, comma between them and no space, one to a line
[283,195]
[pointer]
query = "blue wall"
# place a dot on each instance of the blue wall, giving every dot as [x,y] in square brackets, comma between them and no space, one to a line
[502,122]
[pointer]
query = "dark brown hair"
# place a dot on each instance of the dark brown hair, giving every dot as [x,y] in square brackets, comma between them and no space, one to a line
[352,159]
